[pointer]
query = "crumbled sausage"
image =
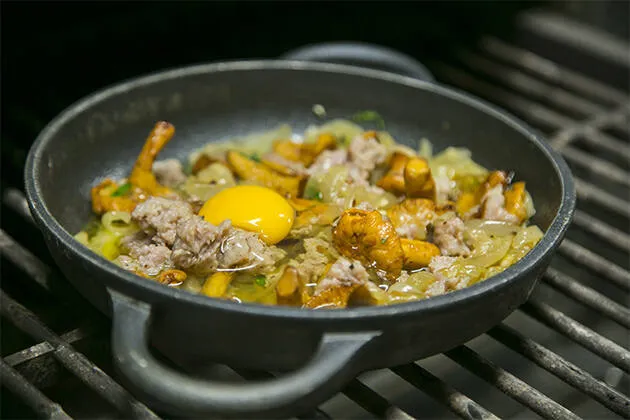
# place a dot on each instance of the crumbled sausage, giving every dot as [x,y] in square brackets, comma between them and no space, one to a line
[312,263]
[443,283]
[448,235]
[343,273]
[202,247]
[327,159]
[493,206]
[144,255]
[364,205]
[440,263]
[444,188]
[169,172]
[284,165]
[366,154]
[159,216]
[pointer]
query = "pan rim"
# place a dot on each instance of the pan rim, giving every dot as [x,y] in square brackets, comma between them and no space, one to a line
[547,245]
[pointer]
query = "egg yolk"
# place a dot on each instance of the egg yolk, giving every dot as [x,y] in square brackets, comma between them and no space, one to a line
[252,208]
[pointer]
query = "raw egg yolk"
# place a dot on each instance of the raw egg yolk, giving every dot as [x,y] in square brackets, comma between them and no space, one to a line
[252,208]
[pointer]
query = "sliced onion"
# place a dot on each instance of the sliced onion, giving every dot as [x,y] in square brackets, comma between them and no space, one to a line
[528,236]
[368,294]
[414,285]
[492,227]
[458,163]
[83,238]
[345,130]
[119,223]
[106,244]
[259,142]
[493,252]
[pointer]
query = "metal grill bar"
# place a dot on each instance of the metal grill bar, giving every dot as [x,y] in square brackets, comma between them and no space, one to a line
[41,271]
[585,128]
[563,369]
[599,139]
[532,87]
[588,192]
[588,296]
[551,71]
[72,360]
[603,347]
[596,263]
[43,406]
[356,390]
[509,384]
[24,259]
[372,401]
[541,115]
[621,123]
[602,230]
[457,402]
[534,112]
[16,200]
[44,347]
[596,165]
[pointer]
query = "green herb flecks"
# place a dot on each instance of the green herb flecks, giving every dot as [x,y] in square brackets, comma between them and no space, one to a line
[369,116]
[383,240]
[344,141]
[254,156]
[312,193]
[122,190]
[260,280]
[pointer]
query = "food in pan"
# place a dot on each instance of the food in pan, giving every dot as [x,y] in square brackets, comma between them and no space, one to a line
[335,217]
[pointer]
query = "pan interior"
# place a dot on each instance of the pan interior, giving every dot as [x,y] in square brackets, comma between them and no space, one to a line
[103,136]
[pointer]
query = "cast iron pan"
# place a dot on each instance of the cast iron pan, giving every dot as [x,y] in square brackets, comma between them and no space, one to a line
[101,136]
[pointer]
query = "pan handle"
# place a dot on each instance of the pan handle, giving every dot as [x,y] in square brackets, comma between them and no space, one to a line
[363,55]
[329,369]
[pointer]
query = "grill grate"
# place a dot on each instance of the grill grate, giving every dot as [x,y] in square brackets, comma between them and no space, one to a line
[583,296]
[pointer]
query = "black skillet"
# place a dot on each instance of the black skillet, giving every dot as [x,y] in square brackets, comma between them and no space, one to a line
[101,136]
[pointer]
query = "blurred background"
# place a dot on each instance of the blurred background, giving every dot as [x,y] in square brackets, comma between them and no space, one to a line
[53,53]
[562,66]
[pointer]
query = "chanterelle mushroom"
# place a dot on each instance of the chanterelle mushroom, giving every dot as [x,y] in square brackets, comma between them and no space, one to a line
[371,239]
[410,176]
[306,153]
[109,196]
[411,217]
[250,170]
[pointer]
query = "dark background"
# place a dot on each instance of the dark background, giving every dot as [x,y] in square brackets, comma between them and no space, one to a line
[53,53]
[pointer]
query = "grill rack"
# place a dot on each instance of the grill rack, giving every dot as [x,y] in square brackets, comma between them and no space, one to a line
[577,113]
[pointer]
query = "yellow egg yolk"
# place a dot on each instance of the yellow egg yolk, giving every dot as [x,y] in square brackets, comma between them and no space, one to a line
[252,208]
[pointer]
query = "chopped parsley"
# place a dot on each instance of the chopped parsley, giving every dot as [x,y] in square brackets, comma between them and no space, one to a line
[260,280]
[383,240]
[254,156]
[369,116]
[312,193]
[122,190]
